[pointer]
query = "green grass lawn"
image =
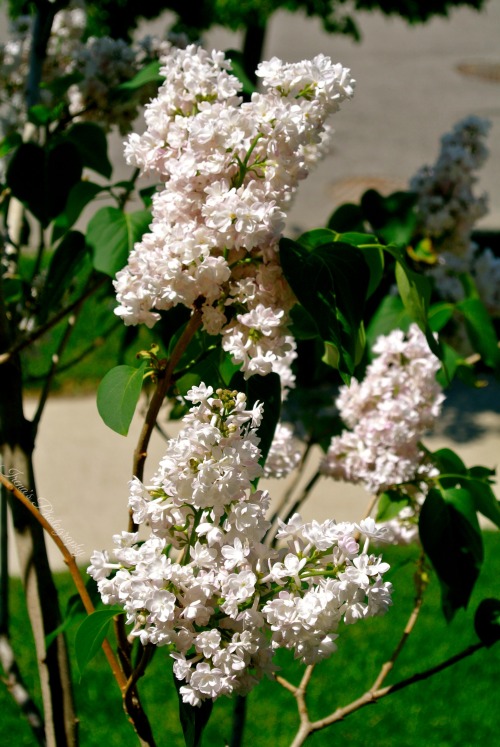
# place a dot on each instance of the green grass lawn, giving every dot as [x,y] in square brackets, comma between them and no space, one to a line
[457,707]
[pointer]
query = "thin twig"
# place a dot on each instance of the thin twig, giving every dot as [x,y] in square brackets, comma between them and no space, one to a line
[303,496]
[289,492]
[53,368]
[27,341]
[124,197]
[97,343]
[284,683]
[421,581]
[371,504]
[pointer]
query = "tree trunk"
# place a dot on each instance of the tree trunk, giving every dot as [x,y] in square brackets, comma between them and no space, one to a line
[16,448]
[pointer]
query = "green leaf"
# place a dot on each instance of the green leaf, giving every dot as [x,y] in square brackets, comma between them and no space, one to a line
[117,396]
[303,326]
[265,389]
[200,344]
[446,460]
[469,285]
[90,140]
[64,264]
[374,258]
[193,719]
[480,472]
[390,315]
[415,292]
[228,369]
[487,621]
[481,331]
[484,499]
[74,611]
[439,315]
[317,237]
[58,86]
[331,356]
[79,196]
[12,288]
[111,234]
[206,369]
[91,634]
[451,362]
[347,217]
[10,142]
[149,74]
[451,537]
[372,253]
[146,195]
[238,69]
[42,115]
[52,173]
[331,282]
[393,218]
[390,504]
[357,238]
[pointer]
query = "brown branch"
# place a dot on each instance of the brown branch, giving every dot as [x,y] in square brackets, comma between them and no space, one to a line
[371,505]
[299,694]
[162,386]
[376,692]
[284,683]
[130,696]
[69,559]
[131,702]
[372,696]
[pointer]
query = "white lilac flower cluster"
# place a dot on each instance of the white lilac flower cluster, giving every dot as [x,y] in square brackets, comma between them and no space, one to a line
[403,528]
[447,206]
[204,584]
[104,64]
[101,64]
[14,66]
[448,210]
[285,453]
[387,414]
[66,33]
[229,170]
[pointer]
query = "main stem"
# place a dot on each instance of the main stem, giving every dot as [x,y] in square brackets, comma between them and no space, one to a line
[162,387]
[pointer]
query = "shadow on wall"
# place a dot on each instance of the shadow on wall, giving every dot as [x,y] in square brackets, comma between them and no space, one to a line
[466,417]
